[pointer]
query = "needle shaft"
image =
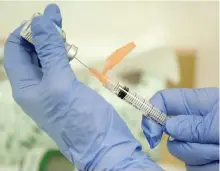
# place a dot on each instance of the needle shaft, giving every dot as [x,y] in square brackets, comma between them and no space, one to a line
[82,63]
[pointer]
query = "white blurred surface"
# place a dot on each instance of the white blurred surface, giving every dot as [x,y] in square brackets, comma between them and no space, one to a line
[4,168]
[92,25]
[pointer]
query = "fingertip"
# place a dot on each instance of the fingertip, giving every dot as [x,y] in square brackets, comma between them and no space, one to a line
[173,127]
[152,131]
[154,142]
[48,43]
[52,11]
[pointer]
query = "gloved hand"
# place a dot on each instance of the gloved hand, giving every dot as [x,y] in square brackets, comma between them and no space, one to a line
[85,127]
[195,129]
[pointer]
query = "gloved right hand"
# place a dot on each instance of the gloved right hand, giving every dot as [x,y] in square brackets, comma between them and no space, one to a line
[195,126]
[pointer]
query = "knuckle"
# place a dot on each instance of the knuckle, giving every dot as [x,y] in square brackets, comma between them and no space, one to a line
[58,90]
[19,97]
[198,130]
[24,98]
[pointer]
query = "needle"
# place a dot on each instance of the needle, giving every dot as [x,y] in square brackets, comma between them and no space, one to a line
[82,63]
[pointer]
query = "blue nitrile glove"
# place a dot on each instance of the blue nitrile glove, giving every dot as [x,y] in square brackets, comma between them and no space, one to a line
[195,129]
[85,127]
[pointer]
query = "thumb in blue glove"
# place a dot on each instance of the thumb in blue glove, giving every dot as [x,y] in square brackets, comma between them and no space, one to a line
[195,129]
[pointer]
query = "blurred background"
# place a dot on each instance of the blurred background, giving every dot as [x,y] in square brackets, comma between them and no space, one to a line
[177,45]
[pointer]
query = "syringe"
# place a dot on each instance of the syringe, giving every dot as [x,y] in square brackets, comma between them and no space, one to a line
[137,101]
[123,92]
[132,98]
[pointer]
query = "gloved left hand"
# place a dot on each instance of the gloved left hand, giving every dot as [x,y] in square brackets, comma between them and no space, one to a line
[85,127]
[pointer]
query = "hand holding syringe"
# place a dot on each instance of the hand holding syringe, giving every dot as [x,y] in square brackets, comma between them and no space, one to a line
[122,92]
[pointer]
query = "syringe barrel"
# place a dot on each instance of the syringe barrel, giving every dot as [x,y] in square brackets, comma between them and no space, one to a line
[137,101]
